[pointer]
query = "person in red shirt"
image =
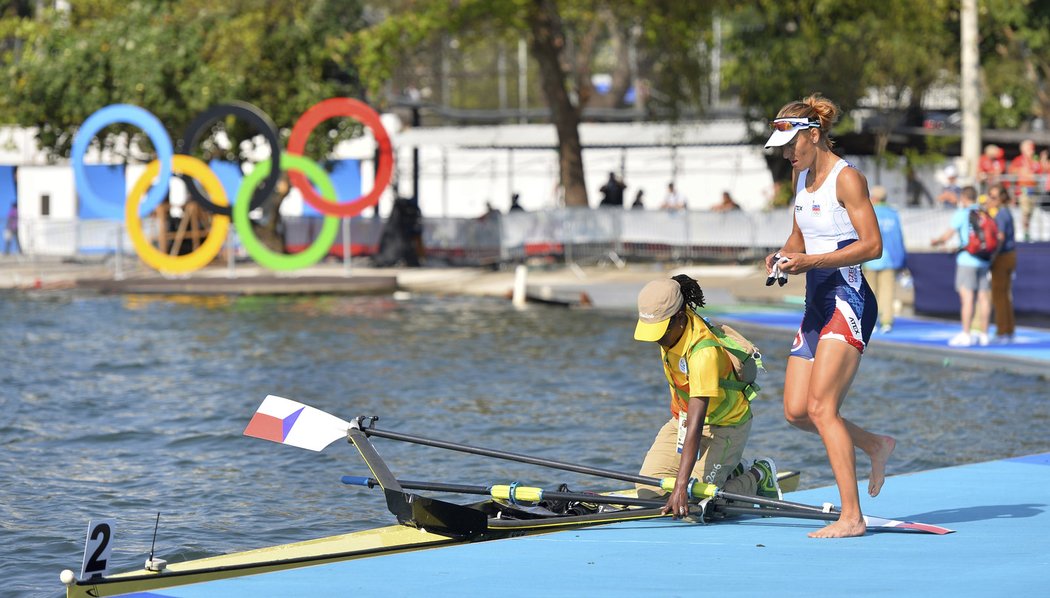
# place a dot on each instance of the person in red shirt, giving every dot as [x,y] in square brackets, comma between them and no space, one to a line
[1026,168]
[990,166]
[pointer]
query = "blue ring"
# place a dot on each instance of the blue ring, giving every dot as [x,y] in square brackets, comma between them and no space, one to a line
[511,491]
[132,115]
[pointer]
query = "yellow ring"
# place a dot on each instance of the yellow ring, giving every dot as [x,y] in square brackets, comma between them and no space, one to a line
[203,255]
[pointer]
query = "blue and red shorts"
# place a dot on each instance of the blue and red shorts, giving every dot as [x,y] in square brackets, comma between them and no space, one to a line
[839,305]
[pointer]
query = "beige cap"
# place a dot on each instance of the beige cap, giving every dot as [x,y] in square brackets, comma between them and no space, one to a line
[658,301]
[878,193]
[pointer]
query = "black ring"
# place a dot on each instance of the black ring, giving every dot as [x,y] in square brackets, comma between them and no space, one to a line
[262,123]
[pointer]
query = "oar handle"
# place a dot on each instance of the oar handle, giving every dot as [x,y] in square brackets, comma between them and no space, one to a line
[359,480]
[696,489]
[514,493]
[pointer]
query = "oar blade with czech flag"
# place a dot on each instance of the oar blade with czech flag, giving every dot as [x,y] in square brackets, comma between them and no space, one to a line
[288,422]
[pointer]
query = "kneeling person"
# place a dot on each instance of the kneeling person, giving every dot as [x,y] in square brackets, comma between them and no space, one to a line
[709,425]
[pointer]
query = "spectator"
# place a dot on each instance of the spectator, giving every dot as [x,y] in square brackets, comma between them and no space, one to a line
[949,196]
[971,276]
[1024,169]
[882,273]
[990,166]
[11,229]
[673,200]
[612,192]
[1003,264]
[514,205]
[727,205]
[638,205]
[491,213]
[401,240]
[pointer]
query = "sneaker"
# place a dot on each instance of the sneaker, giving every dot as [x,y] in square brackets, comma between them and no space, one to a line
[739,470]
[885,328]
[979,338]
[1003,339]
[768,486]
[960,340]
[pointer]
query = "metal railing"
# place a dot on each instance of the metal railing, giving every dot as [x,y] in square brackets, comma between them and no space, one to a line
[579,236]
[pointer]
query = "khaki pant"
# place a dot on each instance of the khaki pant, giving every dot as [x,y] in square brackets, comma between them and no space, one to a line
[721,448]
[1002,294]
[884,284]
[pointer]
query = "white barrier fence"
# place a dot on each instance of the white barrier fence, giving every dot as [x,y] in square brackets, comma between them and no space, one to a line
[569,235]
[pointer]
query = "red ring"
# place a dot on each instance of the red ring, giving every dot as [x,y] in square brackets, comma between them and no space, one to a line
[330,108]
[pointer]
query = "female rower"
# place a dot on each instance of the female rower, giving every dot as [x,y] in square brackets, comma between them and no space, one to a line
[710,423]
[834,231]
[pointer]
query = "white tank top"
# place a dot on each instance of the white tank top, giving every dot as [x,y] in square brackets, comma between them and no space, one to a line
[823,221]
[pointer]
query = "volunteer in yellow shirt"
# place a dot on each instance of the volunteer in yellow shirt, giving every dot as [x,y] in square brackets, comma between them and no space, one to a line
[709,425]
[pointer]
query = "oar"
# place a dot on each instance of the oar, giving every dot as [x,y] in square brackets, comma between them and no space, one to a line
[512,492]
[873,523]
[698,489]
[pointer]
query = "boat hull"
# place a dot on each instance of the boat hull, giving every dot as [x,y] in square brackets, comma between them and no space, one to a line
[344,547]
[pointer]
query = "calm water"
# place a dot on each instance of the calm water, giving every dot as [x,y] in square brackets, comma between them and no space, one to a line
[123,407]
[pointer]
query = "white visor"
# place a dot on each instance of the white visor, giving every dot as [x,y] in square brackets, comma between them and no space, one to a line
[780,138]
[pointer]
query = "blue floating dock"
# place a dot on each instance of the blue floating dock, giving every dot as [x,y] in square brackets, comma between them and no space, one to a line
[927,339]
[1001,547]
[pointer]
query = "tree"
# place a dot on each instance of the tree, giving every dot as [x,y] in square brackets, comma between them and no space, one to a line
[173,58]
[176,59]
[1015,62]
[564,38]
[880,57]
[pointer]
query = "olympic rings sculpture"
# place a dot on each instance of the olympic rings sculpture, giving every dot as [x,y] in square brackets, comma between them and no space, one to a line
[204,188]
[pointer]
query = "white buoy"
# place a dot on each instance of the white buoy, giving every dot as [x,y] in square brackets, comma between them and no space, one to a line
[67,577]
[521,274]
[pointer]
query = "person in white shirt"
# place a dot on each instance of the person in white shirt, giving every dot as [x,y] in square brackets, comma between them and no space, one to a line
[834,231]
[673,200]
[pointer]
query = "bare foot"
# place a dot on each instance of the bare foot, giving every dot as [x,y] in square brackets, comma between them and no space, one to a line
[878,464]
[841,529]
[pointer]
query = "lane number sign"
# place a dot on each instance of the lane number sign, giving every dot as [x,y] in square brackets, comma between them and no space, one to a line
[97,547]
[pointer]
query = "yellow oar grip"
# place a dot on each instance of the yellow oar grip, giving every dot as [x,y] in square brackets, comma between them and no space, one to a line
[697,488]
[520,493]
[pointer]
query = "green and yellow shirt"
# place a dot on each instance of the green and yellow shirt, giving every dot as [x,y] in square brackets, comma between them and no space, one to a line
[695,372]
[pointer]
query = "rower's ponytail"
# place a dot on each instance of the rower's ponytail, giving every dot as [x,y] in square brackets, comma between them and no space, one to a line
[692,294]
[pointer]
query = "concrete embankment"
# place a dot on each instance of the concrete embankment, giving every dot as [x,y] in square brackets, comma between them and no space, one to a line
[605,287]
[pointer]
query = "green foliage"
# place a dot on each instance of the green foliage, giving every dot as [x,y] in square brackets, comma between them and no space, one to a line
[671,37]
[1015,62]
[173,58]
[177,58]
[844,49]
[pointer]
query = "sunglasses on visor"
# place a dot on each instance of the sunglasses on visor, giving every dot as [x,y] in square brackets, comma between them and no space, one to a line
[787,124]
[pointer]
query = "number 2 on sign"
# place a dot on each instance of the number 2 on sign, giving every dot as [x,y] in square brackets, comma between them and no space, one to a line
[97,546]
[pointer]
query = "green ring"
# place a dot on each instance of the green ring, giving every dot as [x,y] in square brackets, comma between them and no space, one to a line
[259,252]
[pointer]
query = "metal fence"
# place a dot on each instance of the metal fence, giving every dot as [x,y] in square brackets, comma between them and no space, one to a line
[580,236]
